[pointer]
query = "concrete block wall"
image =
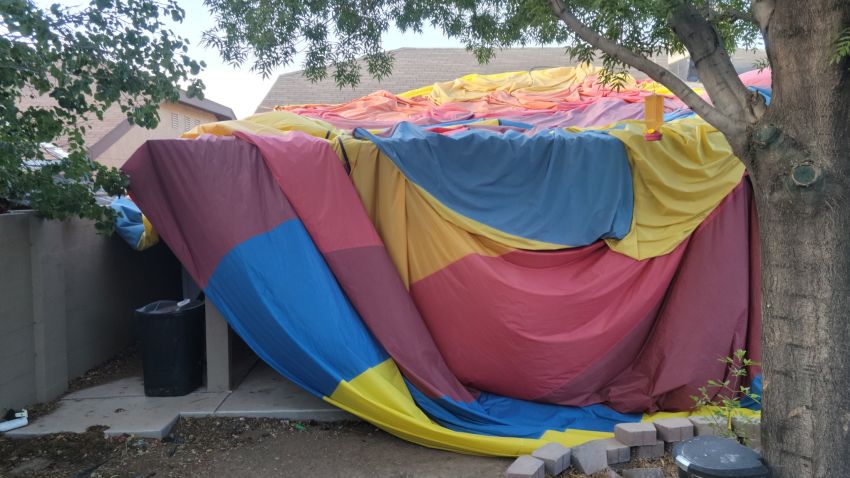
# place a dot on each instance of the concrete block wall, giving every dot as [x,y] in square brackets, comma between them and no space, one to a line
[67,297]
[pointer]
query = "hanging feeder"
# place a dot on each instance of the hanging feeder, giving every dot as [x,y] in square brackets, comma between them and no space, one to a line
[653,116]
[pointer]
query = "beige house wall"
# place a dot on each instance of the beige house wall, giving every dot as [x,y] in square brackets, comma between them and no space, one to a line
[174,119]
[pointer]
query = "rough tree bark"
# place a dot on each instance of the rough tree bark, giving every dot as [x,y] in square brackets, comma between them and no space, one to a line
[797,151]
[799,155]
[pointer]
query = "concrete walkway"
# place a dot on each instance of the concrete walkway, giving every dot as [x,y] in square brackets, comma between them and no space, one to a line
[123,407]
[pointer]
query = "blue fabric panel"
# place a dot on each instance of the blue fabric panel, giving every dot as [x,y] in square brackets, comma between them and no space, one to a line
[279,295]
[502,122]
[128,224]
[687,113]
[554,186]
[496,415]
[679,114]
[755,388]
[764,92]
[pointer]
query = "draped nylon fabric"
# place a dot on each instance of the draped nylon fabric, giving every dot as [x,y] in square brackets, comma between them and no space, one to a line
[482,285]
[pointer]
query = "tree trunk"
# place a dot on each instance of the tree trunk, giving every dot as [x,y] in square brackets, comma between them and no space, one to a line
[799,156]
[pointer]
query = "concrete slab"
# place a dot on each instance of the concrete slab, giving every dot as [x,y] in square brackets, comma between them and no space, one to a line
[123,407]
[147,417]
[264,393]
[125,387]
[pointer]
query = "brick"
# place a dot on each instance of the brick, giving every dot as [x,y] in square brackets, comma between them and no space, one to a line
[635,434]
[590,457]
[650,451]
[555,456]
[616,451]
[674,429]
[706,426]
[644,473]
[748,428]
[526,467]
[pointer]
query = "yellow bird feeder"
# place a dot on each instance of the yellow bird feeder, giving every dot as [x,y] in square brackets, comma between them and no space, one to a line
[653,114]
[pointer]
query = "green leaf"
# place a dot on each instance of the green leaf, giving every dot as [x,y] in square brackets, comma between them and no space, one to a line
[87,59]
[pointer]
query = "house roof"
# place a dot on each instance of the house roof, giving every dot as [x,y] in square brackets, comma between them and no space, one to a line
[102,143]
[223,113]
[415,67]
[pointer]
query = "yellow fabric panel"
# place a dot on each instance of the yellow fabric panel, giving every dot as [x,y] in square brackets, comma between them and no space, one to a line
[700,412]
[677,181]
[475,86]
[536,82]
[380,396]
[420,234]
[274,122]
[149,237]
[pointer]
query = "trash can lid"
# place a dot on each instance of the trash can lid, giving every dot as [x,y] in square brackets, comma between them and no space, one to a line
[169,306]
[711,456]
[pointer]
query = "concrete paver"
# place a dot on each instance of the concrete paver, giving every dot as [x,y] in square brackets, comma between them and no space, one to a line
[555,456]
[674,429]
[617,452]
[526,466]
[590,457]
[635,434]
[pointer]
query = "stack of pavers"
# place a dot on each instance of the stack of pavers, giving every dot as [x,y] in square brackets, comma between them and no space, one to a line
[646,440]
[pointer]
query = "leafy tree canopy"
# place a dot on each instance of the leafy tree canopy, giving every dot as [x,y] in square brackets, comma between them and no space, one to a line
[333,34]
[85,60]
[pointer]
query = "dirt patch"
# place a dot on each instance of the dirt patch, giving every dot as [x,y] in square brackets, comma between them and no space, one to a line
[207,447]
[62,452]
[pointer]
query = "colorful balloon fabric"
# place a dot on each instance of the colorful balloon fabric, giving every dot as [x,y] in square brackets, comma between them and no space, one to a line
[455,266]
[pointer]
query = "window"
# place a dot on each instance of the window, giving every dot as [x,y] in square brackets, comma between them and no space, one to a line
[175,121]
[187,123]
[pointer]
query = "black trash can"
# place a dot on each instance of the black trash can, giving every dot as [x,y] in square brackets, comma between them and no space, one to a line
[172,345]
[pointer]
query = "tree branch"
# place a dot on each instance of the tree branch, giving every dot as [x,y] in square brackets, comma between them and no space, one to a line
[762,11]
[729,16]
[655,71]
[713,64]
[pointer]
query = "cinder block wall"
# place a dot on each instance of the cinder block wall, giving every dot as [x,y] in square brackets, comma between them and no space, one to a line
[67,297]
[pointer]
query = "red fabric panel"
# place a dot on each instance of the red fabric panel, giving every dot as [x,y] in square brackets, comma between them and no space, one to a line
[209,174]
[590,326]
[706,315]
[371,282]
[327,203]
[315,182]
[523,324]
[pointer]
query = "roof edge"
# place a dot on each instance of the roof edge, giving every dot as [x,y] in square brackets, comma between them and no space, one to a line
[221,112]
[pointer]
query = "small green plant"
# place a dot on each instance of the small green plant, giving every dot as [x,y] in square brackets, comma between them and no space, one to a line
[724,398]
